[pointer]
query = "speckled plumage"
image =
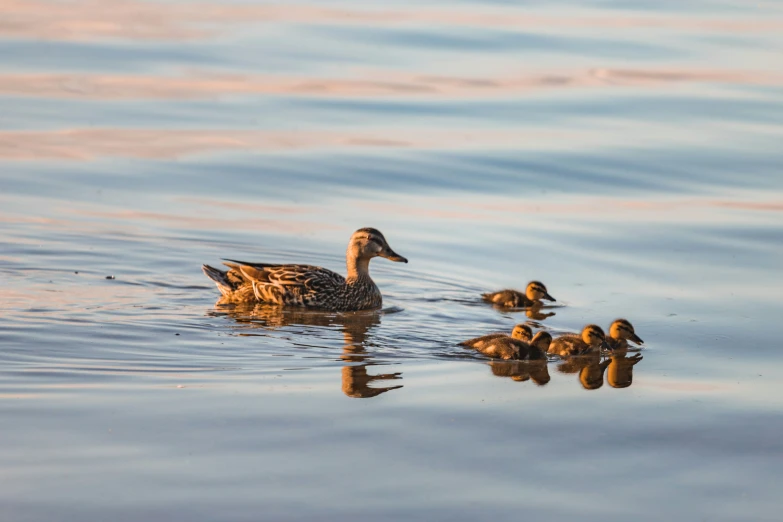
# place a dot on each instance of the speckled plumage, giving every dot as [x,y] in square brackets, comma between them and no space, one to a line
[309,286]
[521,332]
[590,339]
[532,296]
[505,347]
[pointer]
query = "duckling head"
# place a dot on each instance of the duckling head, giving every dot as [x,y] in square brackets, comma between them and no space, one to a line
[623,329]
[522,332]
[541,341]
[536,291]
[367,243]
[594,336]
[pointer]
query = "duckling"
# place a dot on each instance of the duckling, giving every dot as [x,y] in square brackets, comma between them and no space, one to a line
[505,347]
[309,286]
[534,293]
[620,331]
[521,332]
[591,339]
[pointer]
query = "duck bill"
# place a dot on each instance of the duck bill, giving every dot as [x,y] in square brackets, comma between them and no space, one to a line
[549,298]
[391,255]
[605,345]
[638,340]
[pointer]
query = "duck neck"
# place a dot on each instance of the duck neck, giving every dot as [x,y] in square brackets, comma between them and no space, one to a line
[358,267]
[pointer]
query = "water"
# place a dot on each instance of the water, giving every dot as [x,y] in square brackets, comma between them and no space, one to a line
[626,154]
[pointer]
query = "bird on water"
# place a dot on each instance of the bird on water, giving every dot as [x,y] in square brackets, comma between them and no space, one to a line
[309,286]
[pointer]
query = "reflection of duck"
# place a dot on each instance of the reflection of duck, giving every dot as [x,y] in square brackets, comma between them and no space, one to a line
[620,372]
[590,368]
[309,286]
[504,347]
[620,332]
[535,370]
[520,331]
[355,326]
[534,293]
[592,338]
[534,312]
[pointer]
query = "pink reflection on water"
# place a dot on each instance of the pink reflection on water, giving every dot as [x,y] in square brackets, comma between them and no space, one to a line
[88,144]
[209,222]
[195,85]
[140,20]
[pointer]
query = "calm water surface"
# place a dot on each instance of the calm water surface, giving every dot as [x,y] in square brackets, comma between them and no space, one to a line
[625,153]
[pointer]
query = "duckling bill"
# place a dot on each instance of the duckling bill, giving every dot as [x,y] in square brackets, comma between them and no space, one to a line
[309,286]
[534,293]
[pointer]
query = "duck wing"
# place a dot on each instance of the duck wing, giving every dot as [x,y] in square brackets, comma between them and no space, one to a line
[566,345]
[478,342]
[506,298]
[289,284]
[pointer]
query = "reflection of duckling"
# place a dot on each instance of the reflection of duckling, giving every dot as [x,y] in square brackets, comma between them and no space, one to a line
[590,368]
[592,375]
[534,293]
[592,338]
[520,331]
[508,348]
[520,371]
[534,312]
[620,373]
[620,332]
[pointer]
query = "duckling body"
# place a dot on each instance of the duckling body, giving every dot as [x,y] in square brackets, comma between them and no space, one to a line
[533,295]
[520,332]
[589,340]
[620,332]
[309,286]
[505,347]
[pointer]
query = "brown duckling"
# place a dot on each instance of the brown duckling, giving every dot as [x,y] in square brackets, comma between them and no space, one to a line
[591,339]
[534,293]
[521,332]
[505,347]
[620,332]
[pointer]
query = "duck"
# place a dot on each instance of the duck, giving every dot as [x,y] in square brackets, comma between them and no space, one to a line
[309,286]
[521,332]
[592,338]
[505,347]
[534,293]
[620,332]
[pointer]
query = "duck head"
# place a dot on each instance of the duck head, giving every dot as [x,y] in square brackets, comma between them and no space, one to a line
[367,243]
[536,291]
[594,336]
[623,329]
[522,332]
[541,341]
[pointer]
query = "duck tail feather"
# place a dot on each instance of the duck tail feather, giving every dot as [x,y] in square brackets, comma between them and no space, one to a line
[219,277]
